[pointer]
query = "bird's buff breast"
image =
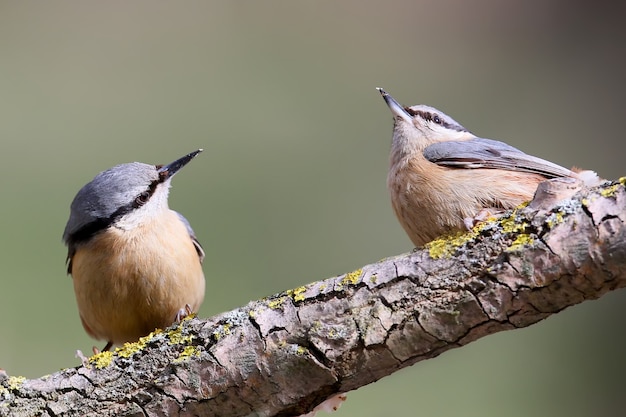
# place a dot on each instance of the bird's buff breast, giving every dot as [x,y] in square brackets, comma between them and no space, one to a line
[129,282]
[435,201]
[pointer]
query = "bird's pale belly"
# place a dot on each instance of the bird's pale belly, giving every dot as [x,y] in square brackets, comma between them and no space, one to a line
[428,209]
[128,283]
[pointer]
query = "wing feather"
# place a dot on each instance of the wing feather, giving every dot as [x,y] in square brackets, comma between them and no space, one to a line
[192,235]
[488,153]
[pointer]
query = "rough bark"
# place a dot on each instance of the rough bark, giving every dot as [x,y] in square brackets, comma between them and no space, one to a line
[284,354]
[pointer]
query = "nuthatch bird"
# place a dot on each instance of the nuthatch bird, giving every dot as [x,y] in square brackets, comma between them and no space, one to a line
[442,177]
[135,264]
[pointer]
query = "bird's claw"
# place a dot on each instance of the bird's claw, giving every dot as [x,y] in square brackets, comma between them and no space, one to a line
[183,312]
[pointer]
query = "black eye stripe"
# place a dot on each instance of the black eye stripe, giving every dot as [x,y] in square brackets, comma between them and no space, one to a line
[143,198]
[435,118]
[90,229]
[414,112]
[428,116]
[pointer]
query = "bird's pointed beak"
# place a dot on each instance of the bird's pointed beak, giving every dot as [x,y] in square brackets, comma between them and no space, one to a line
[396,109]
[168,171]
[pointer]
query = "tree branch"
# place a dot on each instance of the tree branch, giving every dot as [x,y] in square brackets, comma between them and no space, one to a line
[285,354]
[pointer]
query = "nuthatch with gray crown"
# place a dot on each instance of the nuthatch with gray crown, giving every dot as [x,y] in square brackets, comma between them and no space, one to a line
[442,177]
[135,264]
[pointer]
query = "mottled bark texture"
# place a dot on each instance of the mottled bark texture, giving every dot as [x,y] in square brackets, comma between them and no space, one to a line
[284,354]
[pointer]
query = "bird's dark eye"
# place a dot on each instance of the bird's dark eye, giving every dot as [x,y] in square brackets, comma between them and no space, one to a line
[436,119]
[142,198]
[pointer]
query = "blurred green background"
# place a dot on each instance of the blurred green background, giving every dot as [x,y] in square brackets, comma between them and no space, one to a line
[291,186]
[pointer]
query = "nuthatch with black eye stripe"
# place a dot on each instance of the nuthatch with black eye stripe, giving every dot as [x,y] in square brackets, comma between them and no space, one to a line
[442,177]
[135,264]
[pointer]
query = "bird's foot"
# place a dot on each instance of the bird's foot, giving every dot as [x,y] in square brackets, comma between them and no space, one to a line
[183,312]
[481,216]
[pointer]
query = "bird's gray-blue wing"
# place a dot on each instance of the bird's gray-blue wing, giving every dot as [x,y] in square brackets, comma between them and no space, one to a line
[192,235]
[487,153]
